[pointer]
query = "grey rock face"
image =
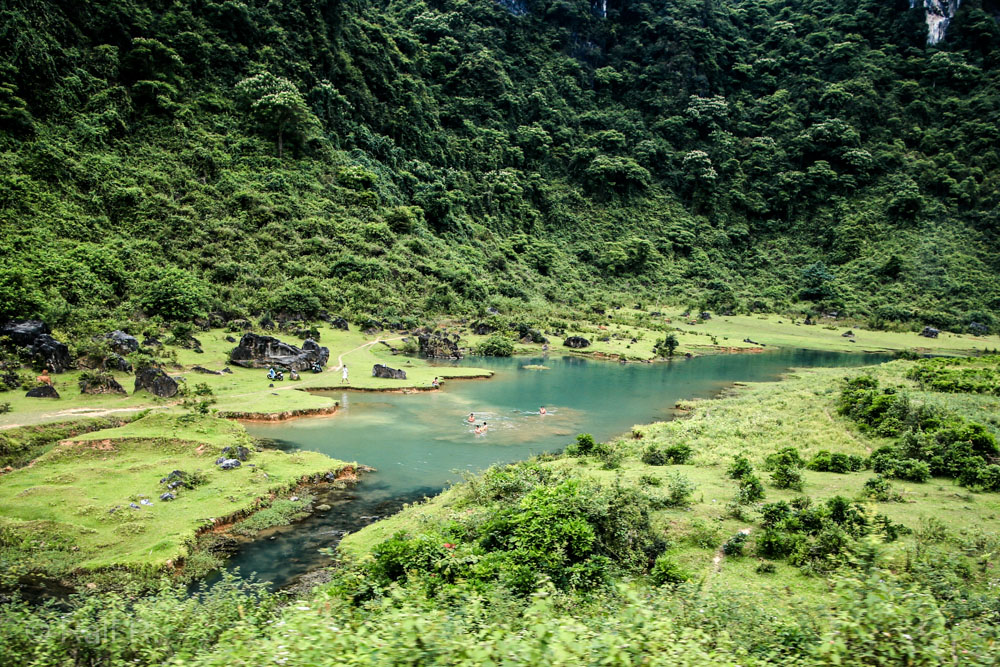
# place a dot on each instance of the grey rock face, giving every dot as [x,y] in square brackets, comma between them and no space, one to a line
[265,351]
[383,371]
[45,391]
[576,342]
[23,332]
[156,382]
[122,343]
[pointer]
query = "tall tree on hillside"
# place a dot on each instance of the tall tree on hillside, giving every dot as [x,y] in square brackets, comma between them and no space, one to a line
[278,108]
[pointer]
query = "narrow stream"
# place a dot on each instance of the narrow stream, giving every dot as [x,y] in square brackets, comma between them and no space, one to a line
[421,442]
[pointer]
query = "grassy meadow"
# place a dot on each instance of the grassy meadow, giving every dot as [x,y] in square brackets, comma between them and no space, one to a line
[69,512]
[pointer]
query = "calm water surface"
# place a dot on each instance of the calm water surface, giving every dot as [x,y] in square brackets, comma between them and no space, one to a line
[421,442]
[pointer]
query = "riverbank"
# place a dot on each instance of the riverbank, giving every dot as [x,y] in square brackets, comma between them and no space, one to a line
[623,335]
[753,420]
[106,507]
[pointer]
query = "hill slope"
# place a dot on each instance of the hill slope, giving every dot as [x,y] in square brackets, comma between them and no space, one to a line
[405,157]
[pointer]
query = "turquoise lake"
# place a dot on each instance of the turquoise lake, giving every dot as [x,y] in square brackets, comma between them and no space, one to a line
[420,442]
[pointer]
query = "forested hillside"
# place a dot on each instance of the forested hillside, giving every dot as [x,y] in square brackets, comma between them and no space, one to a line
[390,159]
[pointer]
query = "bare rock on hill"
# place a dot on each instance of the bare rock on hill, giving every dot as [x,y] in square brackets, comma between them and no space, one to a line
[122,343]
[339,323]
[930,332]
[438,345]
[23,332]
[265,351]
[100,384]
[50,353]
[576,342]
[116,362]
[383,371]
[45,391]
[156,382]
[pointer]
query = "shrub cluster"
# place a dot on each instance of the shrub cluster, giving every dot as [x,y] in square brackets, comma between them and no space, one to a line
[825,461]
[785,466]
[965,375]
[930,441]
[656,455]
[812,535]
[574,533]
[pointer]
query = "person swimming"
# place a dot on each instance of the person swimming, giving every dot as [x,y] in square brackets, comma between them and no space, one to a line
[472,418]
[481,429]
[542,411]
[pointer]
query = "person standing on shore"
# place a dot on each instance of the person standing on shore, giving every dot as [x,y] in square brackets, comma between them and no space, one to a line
[343,374]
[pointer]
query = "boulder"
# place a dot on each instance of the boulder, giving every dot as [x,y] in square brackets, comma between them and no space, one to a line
[930,332]
[230,339]
[383,371]
[50,353]
[229,464]
[265,351]
[576,342]
[178,478]
[122,343]
[705,315]
[156,382]
[23,332]
[439,346]
[116,362]
[482,329]
[339,323]
[45,391]
[152,341]
[978,329]
[238,452]
[100,384]
[167,496]
[206,371]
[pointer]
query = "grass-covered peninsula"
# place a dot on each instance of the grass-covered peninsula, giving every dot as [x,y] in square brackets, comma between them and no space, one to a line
[103,507]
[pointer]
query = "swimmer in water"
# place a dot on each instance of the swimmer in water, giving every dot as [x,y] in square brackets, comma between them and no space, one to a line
[542,411]
[472,418]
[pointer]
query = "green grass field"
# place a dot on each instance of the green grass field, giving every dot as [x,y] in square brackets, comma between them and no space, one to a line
[69,511]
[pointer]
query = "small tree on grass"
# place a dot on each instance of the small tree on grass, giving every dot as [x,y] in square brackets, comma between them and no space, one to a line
[665,347]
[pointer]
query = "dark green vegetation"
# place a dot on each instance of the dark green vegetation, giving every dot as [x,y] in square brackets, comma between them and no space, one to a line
[959,375]
[930,440]
[176,159]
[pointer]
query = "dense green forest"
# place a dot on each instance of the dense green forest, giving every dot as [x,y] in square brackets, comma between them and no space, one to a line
[237,157]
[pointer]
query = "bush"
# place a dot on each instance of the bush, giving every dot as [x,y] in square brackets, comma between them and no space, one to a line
[739,467]
[679,490]
[584,445]
[787,457]
[671,455]
[750,490]
[496,346]
[786,477]
[666,571]
[913,470]
[175,295]
[880,489]
[650,480]
[734,545]
[824,461]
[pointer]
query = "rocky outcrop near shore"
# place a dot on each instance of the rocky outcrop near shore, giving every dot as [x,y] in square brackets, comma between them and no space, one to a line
[256,351]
